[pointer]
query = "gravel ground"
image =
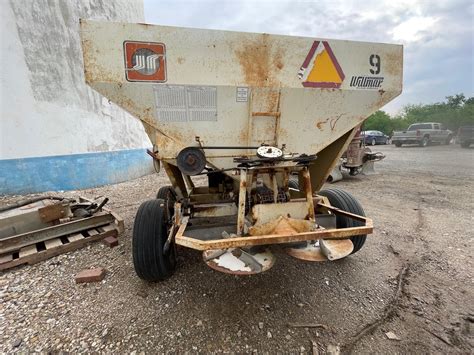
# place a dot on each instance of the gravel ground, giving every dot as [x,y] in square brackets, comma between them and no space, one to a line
[421,200]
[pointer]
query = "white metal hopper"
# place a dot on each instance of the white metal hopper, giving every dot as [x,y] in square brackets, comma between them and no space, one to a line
[247,110]
[241,89]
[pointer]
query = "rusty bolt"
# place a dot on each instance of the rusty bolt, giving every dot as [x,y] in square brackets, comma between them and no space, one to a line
[191,159]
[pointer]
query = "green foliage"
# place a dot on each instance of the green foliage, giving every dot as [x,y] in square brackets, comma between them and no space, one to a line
[456,111]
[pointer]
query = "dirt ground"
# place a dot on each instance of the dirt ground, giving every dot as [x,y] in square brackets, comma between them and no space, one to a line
[414,277]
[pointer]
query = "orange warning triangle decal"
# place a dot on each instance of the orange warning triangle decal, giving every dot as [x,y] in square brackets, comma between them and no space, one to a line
[325,71]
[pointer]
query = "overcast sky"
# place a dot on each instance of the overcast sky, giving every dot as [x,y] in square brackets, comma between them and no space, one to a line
[437,35]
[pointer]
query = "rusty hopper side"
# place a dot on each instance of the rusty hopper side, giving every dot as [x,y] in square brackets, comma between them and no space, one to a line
[209,99]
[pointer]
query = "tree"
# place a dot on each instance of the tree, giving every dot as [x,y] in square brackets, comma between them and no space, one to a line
[455,112]
[379,121]
[456,101]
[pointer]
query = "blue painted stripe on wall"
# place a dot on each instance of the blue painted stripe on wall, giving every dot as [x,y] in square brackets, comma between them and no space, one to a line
[72,172]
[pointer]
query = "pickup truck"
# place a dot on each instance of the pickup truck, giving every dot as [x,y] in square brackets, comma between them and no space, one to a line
[466,136]
[423,134]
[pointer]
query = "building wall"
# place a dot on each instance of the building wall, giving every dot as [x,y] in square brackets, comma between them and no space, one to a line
[48,113]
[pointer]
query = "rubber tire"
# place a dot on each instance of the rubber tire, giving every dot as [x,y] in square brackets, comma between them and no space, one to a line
[149,237]
[167,194]
[398,144]
[448,140]
[373,142]
[346,202]
[294,184]
[424,142]
[465,144]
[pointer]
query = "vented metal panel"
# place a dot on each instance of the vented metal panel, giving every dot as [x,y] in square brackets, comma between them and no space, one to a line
[179,103]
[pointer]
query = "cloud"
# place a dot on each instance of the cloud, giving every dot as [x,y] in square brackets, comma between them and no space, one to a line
[437,36]
[413,29]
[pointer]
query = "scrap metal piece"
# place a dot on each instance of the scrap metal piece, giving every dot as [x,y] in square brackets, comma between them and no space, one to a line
[335,174]
[239,261]
[368,168]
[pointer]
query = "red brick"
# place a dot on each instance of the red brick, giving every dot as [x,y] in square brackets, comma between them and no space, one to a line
[111,241]
[90,275]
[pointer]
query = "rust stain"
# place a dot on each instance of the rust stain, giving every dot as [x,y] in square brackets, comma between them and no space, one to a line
[277,60]
[254,59]
[93,71]
[88,61]
[243,136]
[319,125]
[180,60]
[282,226]
[268,113]
[393,63]
[340,233]
[259,61]
[332,122]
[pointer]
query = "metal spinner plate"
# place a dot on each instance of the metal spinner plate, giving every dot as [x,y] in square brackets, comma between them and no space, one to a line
[269,152]
[239,261]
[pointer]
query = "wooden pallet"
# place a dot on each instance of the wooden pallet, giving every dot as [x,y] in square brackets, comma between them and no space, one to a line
[46,249]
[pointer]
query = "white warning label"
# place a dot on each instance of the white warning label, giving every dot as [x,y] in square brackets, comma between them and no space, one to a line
[242,94]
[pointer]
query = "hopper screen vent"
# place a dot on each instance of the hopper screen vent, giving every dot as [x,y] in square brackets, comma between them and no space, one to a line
[179,103]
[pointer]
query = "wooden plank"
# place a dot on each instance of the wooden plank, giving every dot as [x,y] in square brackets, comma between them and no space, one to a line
[118,222]
[40,235]
[53,243]
[53,212]
[46,254]
[28,250]
[5,258]
[74,237]
[106,228]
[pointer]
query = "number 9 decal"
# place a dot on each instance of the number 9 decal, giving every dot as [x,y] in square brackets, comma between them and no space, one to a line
[374,61]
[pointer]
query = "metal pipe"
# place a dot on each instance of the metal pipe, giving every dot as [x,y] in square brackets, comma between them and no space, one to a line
[229,147]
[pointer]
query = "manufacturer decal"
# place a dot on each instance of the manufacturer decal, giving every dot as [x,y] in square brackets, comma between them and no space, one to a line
[367,81]
[321,69]
[145,61]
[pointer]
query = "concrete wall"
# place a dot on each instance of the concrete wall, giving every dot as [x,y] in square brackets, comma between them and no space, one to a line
[46,108]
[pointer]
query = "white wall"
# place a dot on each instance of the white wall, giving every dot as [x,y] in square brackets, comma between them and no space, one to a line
[46,107]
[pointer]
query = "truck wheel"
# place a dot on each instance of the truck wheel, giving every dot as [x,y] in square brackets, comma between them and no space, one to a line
[346,202]
[448,140]
[373,141]
[398,144]
[424,142]
[465,144]
[149,236]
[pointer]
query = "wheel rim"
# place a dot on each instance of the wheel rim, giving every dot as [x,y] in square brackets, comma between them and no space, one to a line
[373,141]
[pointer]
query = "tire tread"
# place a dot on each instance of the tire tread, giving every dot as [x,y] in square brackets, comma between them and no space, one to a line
[346,202]
[149,236]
